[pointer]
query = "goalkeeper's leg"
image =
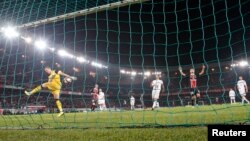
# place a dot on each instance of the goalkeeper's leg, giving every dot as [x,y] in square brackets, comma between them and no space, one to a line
[58,102]
[36,89]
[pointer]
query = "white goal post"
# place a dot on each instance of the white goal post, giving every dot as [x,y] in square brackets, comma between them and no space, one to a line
[81,13]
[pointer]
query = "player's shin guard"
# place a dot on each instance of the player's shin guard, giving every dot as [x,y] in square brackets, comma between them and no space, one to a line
[59,105]
[36,89]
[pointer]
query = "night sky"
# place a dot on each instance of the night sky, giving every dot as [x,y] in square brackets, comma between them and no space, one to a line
[151,35]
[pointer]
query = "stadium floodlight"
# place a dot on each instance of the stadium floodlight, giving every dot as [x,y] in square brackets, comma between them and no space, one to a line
[133,73]
[81,59]
[10,32]
[40,44]
[122,71]
[27,39]
[140,73]
[157,73]
[95,64]
[147,73]
[243,63]
[234,65]
[71,56]
[128,72]
[64,53]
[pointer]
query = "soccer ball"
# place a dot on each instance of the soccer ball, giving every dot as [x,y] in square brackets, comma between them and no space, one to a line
[67,80]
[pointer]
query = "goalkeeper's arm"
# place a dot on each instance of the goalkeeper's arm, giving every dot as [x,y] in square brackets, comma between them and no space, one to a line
[66,75]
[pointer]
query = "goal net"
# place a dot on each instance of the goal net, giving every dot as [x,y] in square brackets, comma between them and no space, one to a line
[157,63]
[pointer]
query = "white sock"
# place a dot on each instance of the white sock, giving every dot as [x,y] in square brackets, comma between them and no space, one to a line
[154,104]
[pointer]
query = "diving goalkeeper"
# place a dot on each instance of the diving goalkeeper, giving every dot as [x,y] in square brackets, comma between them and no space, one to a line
[53,85]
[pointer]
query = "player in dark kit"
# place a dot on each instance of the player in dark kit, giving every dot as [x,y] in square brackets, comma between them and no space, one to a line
[194,91]
[94,97]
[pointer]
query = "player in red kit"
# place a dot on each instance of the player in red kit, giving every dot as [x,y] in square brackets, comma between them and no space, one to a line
[94,97]
[195,93]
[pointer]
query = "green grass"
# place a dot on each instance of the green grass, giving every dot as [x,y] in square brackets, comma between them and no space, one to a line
[178,124]
[116,134]
[201,115]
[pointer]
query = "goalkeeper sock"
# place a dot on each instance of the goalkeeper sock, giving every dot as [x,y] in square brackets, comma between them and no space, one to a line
[59,105]
[37,89]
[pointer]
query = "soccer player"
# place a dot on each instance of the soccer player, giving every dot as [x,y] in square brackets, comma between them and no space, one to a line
[54,85]
[157,85]
[95,97]
[242,88]
[232,96]
[101,100]
[193,83]
[132,102]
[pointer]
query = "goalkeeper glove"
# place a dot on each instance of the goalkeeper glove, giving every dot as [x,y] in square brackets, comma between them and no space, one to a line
[73,78]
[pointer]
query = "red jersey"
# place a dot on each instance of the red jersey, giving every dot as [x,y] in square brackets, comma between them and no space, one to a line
[95,93]
[193,81]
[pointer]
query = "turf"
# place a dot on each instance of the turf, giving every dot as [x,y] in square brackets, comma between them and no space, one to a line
[116,134]
[178,116]
[179,123]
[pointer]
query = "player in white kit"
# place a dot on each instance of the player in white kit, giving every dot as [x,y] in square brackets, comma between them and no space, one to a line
[232,96]
[132,102]
[242,88]
[101,100]
[157,85]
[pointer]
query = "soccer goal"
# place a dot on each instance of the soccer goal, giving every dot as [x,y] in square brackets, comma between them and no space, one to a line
[123,63]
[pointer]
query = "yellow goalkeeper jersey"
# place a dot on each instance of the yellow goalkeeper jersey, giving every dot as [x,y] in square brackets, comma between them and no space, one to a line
[54,78]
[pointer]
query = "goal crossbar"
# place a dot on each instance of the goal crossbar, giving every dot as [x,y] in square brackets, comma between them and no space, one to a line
[81,13]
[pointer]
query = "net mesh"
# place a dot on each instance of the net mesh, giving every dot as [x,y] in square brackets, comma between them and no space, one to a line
[122,46]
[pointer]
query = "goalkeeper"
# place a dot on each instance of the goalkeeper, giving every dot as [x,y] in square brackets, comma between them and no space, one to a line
[53,85]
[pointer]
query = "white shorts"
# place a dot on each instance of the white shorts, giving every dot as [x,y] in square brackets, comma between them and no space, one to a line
[101,102]
[232,97]
[156,94]
[132,103]
[242,92]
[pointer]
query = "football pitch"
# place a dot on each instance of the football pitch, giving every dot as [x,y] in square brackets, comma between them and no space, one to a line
[178,123]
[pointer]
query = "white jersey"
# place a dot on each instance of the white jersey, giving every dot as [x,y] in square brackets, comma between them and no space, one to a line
[101,98]
[157,84]
[231,93]
[132,100]
[241,84]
